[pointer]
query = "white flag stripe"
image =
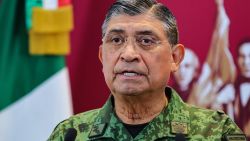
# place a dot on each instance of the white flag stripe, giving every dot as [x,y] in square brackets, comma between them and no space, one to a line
[50,4]
[33,117]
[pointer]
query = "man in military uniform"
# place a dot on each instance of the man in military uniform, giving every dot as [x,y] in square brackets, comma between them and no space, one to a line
[139,51]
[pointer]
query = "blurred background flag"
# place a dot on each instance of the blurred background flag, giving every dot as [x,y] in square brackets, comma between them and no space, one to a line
[35,93]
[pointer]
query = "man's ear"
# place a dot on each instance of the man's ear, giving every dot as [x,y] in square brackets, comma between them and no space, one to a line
[100,53]
[178,52]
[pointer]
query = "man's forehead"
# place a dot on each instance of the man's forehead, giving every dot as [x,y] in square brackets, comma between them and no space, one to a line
[143,31]
[134,24]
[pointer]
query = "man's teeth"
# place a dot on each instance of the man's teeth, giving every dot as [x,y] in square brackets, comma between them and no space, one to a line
[130,74]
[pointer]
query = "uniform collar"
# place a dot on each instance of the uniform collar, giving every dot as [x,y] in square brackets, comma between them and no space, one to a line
[173,119]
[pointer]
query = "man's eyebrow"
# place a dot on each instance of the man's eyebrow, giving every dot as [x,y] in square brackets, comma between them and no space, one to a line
[116,31]
[145,32]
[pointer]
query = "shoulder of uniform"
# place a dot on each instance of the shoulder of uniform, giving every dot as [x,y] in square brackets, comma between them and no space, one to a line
[81,122]
[85,117]
[206,119]
[206,114]
[210,115]
[230,128]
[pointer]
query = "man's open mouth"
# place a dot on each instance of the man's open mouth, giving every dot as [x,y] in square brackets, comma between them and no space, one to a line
[129,74]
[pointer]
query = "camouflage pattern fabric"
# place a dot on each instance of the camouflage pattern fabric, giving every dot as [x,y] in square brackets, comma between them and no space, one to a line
[177,117]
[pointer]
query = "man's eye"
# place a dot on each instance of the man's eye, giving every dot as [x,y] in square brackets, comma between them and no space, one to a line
[147,41]
[117,40]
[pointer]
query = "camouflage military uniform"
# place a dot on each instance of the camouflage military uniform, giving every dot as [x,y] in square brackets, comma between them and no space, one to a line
[177,117]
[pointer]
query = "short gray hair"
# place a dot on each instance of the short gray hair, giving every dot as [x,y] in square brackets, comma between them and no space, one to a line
[136,7]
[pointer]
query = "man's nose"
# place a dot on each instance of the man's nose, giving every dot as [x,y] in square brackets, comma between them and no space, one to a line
[129,52]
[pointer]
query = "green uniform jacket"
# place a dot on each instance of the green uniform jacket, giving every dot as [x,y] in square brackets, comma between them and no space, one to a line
[177,117]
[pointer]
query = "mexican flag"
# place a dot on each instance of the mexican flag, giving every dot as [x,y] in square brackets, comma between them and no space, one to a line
[34,90]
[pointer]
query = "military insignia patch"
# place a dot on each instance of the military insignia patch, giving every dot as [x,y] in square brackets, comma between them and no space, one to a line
[234,137]
[179,127]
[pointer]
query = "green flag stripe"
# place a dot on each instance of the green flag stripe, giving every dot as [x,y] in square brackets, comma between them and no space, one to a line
[20,72]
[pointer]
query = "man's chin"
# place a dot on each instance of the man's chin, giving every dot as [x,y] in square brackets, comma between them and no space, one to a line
[129,91]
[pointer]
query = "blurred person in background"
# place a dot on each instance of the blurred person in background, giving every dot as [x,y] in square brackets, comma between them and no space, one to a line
[242,88]
[187,74]
[212,87]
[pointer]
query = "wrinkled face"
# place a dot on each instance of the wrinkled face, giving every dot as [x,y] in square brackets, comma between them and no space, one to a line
[187,70]
[136,55]
[244,59]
